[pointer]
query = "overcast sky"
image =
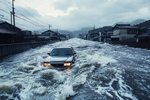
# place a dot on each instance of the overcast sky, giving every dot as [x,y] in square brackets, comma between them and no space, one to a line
[74,14]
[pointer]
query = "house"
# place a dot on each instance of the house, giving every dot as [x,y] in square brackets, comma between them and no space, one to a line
[144,35]
[144,32]
[42,37]
[106,34]
[6,36]
[50,33]
[9,27]
[124,32]
[100,34]
[27,36]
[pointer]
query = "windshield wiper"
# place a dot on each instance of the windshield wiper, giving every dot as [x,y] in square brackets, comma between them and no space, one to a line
[55,54]
[67,54]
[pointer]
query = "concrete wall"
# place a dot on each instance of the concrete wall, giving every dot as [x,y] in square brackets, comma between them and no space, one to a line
[9,49]
[144,45]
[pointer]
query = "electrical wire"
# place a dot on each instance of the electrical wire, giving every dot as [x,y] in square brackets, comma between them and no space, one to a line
[26,19]
[5,3]
[29,13]
[4,11]
[22,19]
[35,23]
[6,19]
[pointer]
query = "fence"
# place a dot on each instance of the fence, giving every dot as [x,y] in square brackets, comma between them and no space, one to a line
[9,49]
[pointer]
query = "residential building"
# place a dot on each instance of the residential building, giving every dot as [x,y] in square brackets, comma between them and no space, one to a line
[100,34]
[50,33]
[47,35]
[6,36]
[144,35]
[124,32]
[9,27]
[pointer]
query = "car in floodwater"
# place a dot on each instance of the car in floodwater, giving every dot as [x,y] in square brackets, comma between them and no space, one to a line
[60,58]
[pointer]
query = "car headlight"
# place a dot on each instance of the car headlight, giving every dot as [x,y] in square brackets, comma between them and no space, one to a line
[46,64]
[67,64]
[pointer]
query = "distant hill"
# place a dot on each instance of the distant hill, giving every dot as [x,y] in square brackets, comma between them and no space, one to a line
[76,32]
[144,24]
[138,21]
[82,31]
[135,22]
[64,32]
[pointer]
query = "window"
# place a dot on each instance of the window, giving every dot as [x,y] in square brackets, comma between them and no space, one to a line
[131,31]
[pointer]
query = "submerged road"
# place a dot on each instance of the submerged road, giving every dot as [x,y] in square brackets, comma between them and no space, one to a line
[101,72]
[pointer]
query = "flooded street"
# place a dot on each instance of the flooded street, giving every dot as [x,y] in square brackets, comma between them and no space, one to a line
[101,72]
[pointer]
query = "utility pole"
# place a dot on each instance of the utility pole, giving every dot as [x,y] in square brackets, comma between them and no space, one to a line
[11,17]
[13,14]
[94,27]
[49,26]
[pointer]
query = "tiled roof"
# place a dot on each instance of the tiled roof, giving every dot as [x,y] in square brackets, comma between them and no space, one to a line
[9,25]
[126,27]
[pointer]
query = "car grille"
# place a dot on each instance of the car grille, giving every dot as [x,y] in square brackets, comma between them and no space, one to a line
[58,65]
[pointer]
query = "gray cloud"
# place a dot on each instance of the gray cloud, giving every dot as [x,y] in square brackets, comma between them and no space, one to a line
[90,12]
[27,11]
[63,5]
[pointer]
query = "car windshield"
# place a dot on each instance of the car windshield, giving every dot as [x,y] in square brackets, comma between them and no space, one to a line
[61,52]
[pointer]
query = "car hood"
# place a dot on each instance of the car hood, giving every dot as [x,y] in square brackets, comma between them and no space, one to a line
[59,58]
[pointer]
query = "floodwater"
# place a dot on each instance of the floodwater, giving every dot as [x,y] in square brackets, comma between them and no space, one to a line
[101,72]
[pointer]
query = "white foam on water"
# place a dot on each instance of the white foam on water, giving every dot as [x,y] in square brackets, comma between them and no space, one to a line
[124,90]
[88,54]
[66,89]
[1,74]
[25,93]
[65,92]
[55,74]
[103,60]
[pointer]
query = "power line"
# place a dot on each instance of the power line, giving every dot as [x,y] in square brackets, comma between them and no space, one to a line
[36,24]
[30,19]
[6,19]
[29,13]
[3,16]
[4,11]
[26,19]
[9,19]
[5,3]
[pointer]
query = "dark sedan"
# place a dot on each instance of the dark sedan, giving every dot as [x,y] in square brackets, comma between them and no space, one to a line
[60,58]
